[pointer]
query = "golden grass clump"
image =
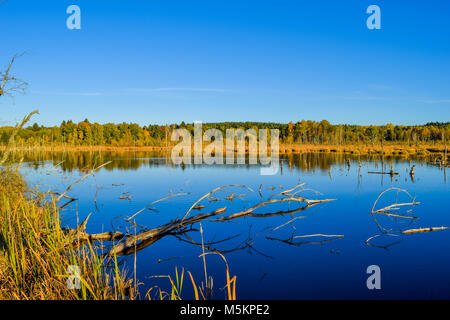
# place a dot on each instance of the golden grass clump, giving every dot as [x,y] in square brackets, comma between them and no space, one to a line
[36,253]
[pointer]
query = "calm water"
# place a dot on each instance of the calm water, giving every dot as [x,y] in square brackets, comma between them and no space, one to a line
[412,266]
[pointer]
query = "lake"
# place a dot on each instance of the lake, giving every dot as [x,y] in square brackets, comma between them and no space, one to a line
[269,254]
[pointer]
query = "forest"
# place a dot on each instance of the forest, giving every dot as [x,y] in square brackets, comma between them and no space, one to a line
[86,133]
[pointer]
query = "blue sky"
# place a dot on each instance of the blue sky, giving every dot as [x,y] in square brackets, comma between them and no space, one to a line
[169,61]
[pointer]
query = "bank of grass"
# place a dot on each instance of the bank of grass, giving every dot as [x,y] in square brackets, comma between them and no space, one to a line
[35,253]
[363,149]
[387,150]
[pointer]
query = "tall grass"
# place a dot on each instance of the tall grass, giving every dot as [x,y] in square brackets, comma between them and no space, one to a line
[201,292]
[36,253]
[37,256]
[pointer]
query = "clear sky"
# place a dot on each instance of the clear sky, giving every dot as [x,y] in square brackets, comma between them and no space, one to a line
[169,61]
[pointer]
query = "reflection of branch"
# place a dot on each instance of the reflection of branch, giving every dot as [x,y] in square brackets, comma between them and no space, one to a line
[208,245]
[147,206]
[386,247]
[81,179]
[290,241]
[396,206]
[397,215]
[387,211]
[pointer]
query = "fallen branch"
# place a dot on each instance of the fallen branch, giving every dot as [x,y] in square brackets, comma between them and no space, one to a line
[396,206]
[411,231]
[130,243]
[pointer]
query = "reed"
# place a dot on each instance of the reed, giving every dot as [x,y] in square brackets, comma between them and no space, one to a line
[36,254]
[202,291]
[285,148]
[205,290]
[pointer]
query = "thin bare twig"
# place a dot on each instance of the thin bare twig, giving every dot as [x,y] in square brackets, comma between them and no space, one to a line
[81,179]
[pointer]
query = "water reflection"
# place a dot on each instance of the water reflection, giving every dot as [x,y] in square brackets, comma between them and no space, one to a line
[276,254]
[133,160]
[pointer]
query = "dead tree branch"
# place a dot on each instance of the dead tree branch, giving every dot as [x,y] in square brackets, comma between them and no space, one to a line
[130,243]
[10,84]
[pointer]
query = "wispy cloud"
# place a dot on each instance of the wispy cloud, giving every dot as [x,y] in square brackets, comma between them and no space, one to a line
[81,94]
[131,91]
[356,97]
[177,89]
[377,86]
[437,101]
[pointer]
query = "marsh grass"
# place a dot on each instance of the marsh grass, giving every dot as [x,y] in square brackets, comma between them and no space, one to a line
[204,291]
[35,252]
[36,255]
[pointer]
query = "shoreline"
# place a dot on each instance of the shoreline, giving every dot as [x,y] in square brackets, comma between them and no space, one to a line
[405,150]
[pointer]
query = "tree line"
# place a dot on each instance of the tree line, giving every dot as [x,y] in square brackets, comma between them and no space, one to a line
[86,133]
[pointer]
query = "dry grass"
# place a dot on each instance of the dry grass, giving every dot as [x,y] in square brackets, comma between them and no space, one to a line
[204,291]
[394,149]
[35,253]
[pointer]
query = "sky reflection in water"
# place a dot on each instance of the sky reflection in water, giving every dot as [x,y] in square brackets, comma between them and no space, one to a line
[412,266]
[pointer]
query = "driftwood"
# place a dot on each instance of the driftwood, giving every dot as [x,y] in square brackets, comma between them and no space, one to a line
[126,243]
[148,206]
[390,173]
[293,239]
[411,231]
[146,238]
[388,211]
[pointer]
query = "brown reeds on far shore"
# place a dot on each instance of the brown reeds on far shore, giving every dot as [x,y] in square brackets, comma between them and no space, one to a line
[388,150]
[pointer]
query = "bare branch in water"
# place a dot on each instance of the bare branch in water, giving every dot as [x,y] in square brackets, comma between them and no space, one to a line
[130,243]
[81,179]
[210,193]
[393,207]
[420,230]
[148,206]
[388,211]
